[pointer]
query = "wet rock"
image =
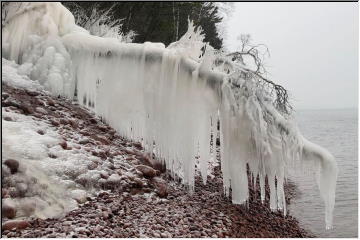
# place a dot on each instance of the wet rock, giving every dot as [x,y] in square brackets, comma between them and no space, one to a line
[15,224]
[41,132]
[73,123]
[54,122]
[32,93]
[12,164]
[165,234]
[51,102]
[51,155]
[92,166]
[84,141]
[129,151]
[26,109]
[138,183]
[64,121]
[93,120]
[63,144]
[102,139]
[101,154]
[161,187]
[7,118]
[103,127]
[104,175]
[40,110]
[137,145]
[8,209]
[146,170]
[4,95]
[4,193]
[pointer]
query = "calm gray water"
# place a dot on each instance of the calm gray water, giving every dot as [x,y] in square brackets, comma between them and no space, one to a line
[337,131]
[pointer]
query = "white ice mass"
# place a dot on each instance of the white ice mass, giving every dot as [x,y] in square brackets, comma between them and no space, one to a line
[170,99]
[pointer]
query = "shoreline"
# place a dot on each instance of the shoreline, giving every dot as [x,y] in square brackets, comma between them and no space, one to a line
[149,205]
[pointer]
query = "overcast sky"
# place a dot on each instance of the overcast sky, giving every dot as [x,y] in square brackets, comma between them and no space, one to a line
[313,46]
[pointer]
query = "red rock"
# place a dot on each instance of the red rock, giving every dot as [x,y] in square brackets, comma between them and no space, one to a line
[93,120]
[15,224]
[137,145]
[7,118]
[52,155]
[138,182]
[104,175]
[84,141]
[41,132]
[12,164]
[160,186]
[26,109]
[92,166]
[7,210]
[50,102]
[63,144]
[54,122]
[102,155]
[128,151]
[102,139]
[103,128]
[4,193]
[31,93]
[85,132]
[73,123]
[146,170]
[63,121]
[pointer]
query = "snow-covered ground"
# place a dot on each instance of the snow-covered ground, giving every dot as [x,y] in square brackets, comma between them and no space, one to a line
[57,166]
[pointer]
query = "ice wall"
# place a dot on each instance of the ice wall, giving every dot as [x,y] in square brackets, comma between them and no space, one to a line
[170,100]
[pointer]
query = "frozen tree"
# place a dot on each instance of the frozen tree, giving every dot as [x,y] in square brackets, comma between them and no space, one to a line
[168,99]
[253,57]
[100,22]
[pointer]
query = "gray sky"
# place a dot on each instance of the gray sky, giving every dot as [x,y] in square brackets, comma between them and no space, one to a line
[313,46]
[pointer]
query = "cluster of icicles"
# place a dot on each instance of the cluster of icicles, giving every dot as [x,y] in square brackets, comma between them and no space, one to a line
[170,101]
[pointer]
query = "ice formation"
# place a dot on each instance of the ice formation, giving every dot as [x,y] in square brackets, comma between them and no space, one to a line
[170,99]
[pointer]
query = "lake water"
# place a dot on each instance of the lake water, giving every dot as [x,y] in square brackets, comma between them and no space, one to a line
[337,131]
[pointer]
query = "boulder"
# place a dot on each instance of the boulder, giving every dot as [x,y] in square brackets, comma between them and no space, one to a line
[12,164]
[8,209]
[104,174]
[84,141]
[161,187]
[41,132]
[92,165]
[7,118]
[4,193]
[146,170]
[63,144]
[15,224]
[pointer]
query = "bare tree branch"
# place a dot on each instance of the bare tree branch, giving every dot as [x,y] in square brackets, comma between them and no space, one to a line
[257,54]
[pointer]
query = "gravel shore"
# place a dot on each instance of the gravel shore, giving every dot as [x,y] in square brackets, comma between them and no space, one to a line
[136,197]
